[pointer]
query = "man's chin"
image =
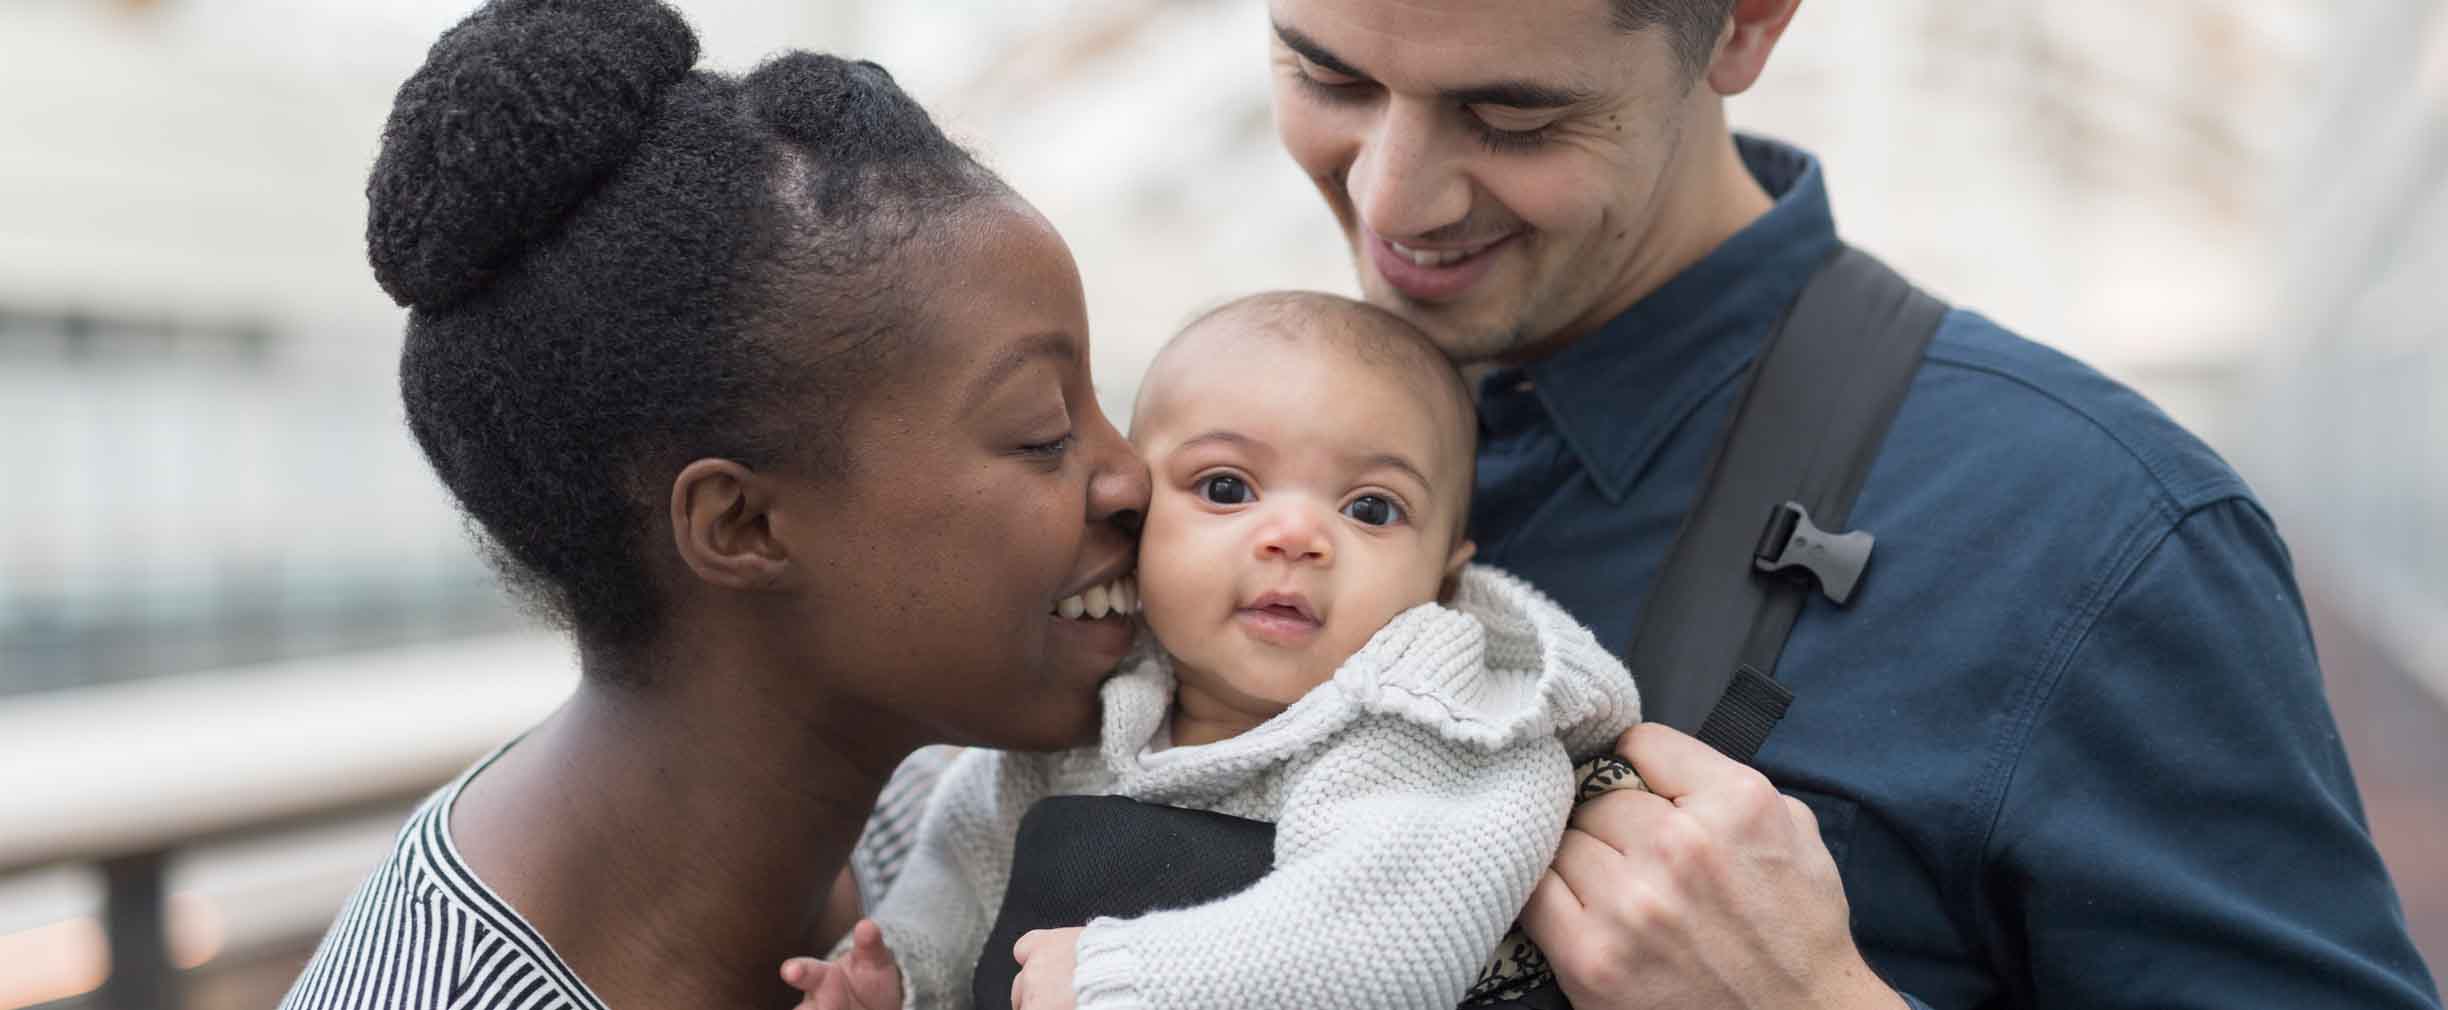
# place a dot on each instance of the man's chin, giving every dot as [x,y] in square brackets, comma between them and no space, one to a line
[1475,325]
[1467,334]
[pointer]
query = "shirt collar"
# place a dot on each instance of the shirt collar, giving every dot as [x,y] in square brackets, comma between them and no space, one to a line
[1616,394]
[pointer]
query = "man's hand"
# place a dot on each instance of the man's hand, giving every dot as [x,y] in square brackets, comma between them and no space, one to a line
[864,979]
[1047,959]
[1712,889]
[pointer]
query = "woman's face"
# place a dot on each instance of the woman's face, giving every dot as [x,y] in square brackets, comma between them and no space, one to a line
[980,491]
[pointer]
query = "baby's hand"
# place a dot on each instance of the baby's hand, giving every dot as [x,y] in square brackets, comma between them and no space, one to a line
[1047,959]
[864,979]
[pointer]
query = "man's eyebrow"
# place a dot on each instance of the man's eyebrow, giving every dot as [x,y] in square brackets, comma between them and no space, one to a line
[1510,94]
[1516,95]
[1050,344]
[1309,48]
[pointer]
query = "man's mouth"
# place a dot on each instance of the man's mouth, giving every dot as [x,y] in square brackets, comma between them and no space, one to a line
[1119,597]
[1431,273]
[1439,257]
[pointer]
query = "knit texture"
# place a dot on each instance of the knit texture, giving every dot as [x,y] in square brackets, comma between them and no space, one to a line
[1418,795]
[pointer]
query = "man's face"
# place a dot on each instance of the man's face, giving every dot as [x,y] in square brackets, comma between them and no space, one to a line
[1498,168]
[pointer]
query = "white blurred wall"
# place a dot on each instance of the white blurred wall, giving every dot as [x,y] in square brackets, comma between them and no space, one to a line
[2349,386]
[2106,177]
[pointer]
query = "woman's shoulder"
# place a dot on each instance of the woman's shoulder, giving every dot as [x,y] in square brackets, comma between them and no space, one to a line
[421,930]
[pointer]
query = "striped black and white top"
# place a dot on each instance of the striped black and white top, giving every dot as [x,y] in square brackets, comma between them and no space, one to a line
[423,933]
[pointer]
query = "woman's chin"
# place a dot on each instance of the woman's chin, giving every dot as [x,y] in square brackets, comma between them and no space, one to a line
[1047,726]
[1092,646]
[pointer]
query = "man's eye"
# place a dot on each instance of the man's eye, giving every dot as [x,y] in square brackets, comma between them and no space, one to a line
[1493,133]
[1320,75]
[1373,510]
[1224,489]
[1328,86]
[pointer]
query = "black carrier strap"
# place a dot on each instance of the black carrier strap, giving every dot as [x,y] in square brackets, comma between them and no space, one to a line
[1785,472]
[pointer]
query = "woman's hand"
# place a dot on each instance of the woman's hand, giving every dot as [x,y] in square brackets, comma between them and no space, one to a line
[1047,957]
[864,979]
[1712,889]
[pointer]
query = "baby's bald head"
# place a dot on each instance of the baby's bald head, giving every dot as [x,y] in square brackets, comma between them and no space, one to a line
[1288,329]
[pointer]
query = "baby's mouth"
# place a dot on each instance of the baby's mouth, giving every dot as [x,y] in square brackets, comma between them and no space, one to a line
[1284,619]
[1278,626]
[1121,596]
[1291,606]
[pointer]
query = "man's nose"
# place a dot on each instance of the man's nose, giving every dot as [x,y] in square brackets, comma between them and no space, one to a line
[1405,182]
[1295,534]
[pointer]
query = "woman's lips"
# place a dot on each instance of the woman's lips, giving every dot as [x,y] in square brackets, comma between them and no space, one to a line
[1097,620]
[1103,640]
[1277,624]
[1431,275]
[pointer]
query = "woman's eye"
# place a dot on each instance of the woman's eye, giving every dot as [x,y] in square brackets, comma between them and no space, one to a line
[1373,510]
[1048,450]
[1224,489]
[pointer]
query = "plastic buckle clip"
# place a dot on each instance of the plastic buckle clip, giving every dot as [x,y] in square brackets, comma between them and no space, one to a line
[1835,560]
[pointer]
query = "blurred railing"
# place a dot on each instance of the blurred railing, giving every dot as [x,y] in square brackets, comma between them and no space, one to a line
[126,777]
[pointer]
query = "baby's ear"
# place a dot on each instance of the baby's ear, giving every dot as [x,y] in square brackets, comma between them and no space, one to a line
[1462,553]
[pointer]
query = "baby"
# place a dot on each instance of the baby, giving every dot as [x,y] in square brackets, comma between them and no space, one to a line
[1326,659]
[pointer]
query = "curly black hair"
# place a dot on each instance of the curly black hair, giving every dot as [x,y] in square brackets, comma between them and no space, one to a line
[615,263]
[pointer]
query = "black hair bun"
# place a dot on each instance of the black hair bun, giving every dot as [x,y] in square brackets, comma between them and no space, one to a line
[517,114]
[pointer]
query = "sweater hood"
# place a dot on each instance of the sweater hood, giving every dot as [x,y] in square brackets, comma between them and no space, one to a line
[1500,664]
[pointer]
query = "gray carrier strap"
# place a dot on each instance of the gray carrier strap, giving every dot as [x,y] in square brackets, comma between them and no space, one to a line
[1805,431]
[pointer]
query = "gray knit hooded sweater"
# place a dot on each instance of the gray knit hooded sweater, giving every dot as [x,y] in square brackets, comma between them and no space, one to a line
[1417,796]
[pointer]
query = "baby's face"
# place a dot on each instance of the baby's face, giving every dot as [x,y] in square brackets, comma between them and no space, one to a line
[1302,499]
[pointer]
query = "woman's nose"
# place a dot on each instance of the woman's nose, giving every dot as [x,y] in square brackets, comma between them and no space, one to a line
[1118,479]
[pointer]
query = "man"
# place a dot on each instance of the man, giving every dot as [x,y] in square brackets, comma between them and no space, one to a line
[2067,746]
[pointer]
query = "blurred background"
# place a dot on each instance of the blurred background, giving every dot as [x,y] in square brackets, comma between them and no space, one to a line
[217,541]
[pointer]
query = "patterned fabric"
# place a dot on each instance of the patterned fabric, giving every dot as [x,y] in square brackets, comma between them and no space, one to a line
[1519,967]
[422,932]
[875,862]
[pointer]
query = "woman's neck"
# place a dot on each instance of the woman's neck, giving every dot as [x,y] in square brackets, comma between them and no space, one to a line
[671,843]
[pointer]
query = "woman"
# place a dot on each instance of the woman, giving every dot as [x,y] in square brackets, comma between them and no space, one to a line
[780,402]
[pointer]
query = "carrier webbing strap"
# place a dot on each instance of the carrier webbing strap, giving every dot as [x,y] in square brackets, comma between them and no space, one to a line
[1805,431]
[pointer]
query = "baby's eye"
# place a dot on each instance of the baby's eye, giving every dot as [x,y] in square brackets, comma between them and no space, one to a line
[1224,489]
[1374,510]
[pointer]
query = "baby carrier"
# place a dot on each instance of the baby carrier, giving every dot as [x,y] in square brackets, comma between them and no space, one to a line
[1754,546]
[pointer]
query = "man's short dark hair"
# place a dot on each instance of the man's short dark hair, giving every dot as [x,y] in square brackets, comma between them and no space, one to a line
[1691,25]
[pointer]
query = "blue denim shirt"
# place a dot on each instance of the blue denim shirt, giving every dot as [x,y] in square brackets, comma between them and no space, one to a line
[2068,744]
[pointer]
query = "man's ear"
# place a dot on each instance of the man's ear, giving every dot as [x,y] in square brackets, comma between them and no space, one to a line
[720,524]
[1742,51]
[1462,554]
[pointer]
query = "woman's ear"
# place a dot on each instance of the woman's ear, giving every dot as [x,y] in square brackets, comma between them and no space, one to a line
[721,525]
[1462,553]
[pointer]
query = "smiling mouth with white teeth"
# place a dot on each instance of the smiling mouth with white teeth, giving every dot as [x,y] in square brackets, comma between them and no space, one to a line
[1437,257]
[1118,598]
